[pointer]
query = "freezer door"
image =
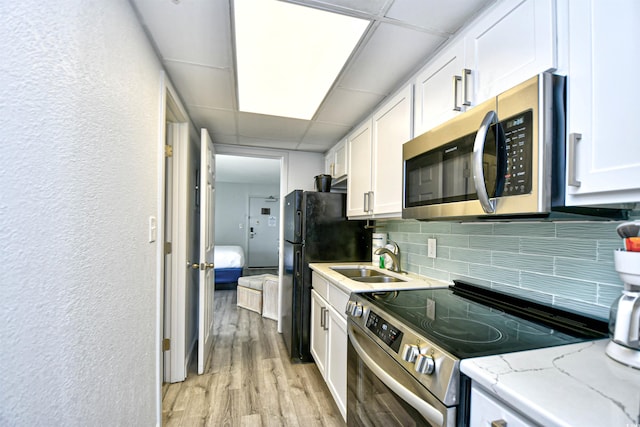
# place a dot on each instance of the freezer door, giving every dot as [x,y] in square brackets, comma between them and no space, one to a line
[293,217]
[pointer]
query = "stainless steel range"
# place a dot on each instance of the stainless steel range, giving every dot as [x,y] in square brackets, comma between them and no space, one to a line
[405,348]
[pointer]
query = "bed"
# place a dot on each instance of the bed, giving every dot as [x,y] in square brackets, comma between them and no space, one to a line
[228,261]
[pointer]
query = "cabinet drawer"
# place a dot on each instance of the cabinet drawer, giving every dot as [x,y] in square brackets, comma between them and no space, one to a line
[320,284]
[338,300]
[486,410]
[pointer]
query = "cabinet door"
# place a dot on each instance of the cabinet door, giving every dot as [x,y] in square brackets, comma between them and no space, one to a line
[359,183]
[391,129]
[329,162]
[485,410]
[319,331]
[340,162]
[604,53]
[435,94]
[337,359]
[513,42]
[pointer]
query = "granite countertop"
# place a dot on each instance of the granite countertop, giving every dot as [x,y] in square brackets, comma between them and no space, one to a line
[410,280]
[572,385]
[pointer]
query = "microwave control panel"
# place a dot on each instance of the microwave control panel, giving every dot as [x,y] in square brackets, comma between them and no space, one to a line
[388,333]
[518,133]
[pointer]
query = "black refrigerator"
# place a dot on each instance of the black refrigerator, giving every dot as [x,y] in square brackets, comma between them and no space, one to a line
[316,229]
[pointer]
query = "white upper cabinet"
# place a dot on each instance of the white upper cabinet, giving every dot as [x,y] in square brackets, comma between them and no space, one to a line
[513,42]
[335,161]
[374,188]
[341,158]
[604,54]
[439,89]
[391,129]
[359,182]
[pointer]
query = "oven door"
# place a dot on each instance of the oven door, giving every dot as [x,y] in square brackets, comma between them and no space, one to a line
[380,392]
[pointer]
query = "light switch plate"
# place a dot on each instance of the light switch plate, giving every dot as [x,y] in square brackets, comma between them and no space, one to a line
[153,229]
[431,248]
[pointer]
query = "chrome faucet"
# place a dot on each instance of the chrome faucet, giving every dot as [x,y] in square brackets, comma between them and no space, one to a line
[395,255]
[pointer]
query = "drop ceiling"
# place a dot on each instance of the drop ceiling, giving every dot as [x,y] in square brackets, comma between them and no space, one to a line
[193,39]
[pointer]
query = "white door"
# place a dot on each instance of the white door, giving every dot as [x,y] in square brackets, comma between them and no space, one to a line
[264,217]
[207,283]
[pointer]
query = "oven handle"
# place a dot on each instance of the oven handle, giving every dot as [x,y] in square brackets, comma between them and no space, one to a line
[488,205]
[429,412]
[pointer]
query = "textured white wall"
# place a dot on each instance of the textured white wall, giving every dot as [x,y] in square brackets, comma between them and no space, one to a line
[79,96]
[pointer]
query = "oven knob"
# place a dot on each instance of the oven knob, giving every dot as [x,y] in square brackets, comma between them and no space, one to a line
[410,352]
[349,307]
[356,310]
[425,364]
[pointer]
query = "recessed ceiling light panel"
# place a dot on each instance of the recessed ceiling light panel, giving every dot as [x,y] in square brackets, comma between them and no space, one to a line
[288,56]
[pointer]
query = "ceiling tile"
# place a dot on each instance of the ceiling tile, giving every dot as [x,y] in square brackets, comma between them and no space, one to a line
[258,142]
[217,121]
[324,133]
[372,7]
[271,127]
[191,31]
[347,107]
[224,139]
[202,86]
[434,14]
[390,55]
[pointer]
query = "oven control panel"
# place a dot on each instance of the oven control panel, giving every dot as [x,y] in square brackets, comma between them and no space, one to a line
[388,333]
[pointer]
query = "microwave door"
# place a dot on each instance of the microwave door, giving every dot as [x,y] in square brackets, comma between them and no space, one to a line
[489,162]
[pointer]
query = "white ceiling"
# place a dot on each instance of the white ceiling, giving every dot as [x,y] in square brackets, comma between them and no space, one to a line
[194,41]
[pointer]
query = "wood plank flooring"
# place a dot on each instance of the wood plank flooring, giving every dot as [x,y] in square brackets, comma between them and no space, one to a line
[249,380]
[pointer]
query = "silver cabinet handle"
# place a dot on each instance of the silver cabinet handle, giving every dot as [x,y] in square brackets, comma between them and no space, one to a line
[466,73]
[456,107]
[572,159]
[365,203]
[488,205]
[326,323]
[370,199]
[322,309]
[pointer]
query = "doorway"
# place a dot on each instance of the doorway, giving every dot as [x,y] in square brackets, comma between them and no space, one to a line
[264,218]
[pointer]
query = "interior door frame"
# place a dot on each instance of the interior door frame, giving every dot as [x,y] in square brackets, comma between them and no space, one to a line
[283,156]
[170,106]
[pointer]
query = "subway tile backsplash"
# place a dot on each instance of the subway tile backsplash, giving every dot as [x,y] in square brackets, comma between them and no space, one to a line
[567,264]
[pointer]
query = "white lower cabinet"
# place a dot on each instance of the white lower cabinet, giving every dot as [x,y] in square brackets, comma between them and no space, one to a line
[487,410]
[329,338]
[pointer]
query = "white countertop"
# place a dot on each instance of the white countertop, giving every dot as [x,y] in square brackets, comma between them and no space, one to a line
[410,280]
[572,385]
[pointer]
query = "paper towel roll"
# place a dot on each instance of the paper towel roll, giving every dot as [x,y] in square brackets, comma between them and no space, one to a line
[378,240]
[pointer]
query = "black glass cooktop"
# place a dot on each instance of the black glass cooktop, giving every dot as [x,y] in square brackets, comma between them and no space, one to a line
[471,321]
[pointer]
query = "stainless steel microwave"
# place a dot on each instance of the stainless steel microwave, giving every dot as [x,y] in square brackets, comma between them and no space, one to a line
[503,158]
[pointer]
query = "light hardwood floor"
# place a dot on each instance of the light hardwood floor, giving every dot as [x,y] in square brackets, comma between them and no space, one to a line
[250,380]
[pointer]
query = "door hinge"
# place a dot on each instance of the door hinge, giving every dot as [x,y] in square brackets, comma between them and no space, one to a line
[167,248]
[166,344]
[168,151]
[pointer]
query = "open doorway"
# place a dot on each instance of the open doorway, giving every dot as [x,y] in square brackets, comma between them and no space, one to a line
[248,210]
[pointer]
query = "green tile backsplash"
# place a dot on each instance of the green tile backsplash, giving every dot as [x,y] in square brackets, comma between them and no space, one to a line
[568,264]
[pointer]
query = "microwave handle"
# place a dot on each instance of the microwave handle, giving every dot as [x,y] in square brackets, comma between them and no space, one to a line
[488,205]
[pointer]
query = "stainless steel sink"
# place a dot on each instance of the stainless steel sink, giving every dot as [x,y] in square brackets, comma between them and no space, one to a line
[377,279]
[366,275]
[352,272]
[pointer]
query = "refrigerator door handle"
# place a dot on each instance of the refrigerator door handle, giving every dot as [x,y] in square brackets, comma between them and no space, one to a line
[298,229]
[298,263]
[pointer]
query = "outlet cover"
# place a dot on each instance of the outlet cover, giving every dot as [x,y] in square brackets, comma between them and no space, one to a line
[431,248]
